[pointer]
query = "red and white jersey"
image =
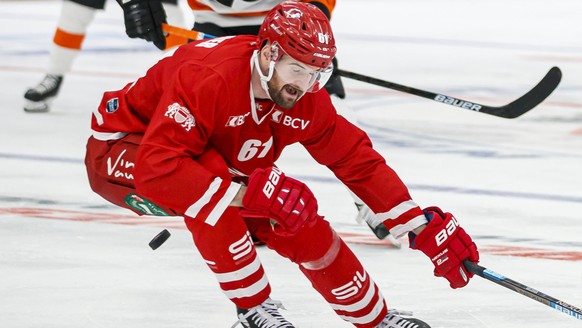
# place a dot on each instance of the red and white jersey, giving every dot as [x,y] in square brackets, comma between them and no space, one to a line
[200,98]
[228,13]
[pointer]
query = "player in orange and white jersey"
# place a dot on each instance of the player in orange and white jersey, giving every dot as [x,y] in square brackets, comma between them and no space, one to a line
[233,17]
[75,18]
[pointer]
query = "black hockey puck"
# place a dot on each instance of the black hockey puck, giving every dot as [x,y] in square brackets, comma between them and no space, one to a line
[159,239]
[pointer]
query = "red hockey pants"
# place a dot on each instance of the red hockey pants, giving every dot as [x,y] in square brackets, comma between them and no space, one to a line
[227,248]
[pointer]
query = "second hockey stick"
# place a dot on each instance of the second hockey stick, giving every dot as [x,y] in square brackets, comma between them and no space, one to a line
[512,110]
[523,289]
[184,33]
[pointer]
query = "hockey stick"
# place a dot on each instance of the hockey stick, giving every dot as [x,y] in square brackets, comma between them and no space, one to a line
[512,110]
[523,289]
[184,33]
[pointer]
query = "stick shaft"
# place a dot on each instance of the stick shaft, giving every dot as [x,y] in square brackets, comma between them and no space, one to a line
[523,289]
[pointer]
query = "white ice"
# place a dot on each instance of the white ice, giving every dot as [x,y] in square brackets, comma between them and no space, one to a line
[69,259]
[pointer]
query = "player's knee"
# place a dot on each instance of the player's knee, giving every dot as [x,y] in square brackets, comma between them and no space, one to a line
[326,254]
[310,243]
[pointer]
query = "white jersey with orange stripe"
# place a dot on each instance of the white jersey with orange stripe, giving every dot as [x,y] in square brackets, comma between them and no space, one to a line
[229,13]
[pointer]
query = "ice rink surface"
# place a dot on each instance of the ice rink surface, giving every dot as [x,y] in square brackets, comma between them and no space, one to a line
[69,259]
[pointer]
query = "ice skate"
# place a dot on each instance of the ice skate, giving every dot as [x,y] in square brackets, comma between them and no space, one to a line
[401,319]
[265,315]
[39,98]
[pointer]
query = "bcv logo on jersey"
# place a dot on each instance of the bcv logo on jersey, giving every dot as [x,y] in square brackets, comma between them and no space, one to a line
[295,123]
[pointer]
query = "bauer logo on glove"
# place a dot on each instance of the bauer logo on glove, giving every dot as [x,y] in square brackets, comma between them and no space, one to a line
[269,187]
[270,194]
[447,231]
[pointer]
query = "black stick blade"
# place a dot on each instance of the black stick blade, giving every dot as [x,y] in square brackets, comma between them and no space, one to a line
[529,100]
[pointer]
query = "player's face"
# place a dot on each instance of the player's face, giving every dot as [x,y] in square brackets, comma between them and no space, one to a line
[285,95]
[290,81]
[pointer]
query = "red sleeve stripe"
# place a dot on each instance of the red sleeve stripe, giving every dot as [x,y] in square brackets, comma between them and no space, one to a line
[400,229]
[195,208]
[402,218]
[396,211]
[212,204]
[223,203]
[240,274]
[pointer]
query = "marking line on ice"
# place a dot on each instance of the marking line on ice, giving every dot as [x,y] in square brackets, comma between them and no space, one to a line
[349,237]
[422,187]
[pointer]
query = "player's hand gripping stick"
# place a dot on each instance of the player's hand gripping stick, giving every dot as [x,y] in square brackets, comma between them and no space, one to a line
[271,194]
[446,244]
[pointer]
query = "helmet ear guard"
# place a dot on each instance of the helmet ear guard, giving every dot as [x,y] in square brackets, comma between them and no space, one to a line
[274,52]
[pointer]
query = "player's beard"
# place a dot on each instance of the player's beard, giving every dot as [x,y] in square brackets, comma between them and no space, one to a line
[284,96]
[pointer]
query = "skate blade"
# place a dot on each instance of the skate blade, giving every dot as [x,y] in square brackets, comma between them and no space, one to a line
[37,106]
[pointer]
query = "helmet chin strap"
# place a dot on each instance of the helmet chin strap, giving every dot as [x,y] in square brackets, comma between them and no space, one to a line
[267,78]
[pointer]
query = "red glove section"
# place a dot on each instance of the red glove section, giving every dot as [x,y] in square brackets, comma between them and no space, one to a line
[447,245]
[273,195]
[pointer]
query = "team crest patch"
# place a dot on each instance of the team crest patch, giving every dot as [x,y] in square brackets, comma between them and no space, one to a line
[112,105]
[181,115]
[143,205]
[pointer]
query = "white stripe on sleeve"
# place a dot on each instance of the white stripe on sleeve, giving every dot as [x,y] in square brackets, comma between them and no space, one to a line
[223,203]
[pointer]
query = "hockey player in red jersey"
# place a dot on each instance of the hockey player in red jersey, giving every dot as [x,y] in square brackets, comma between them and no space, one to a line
[236,17]
[198,136]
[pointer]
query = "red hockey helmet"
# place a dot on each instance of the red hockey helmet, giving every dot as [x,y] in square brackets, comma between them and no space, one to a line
[303,32]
